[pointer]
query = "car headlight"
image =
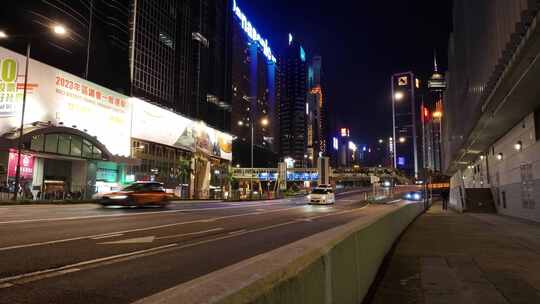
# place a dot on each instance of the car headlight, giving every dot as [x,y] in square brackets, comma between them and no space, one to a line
[408,196]
[417,196]
[119,197]
[309,197]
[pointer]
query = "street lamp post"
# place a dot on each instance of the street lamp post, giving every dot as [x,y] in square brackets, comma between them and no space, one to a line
[57,30]
[264,122]
[19,141]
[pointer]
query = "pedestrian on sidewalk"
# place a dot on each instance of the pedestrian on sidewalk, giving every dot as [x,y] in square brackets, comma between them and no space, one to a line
[444,195]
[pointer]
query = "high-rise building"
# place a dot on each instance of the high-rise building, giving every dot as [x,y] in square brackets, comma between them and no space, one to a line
[491,119]
[98,37]
[253,93]
[316,113]
[172,53]
[406,124]
[210,34]
[293,86]
[179,57]
[432,105]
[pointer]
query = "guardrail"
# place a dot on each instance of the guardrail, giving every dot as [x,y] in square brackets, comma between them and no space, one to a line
[335,266]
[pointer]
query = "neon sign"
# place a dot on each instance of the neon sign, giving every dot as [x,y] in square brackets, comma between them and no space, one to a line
[252,33]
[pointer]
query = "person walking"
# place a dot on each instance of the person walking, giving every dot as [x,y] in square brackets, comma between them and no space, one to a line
[444,195]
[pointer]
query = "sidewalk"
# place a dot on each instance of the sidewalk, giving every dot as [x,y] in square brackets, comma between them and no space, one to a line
[445,257]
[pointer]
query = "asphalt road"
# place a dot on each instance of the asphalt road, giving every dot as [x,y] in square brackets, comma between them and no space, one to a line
[87,254]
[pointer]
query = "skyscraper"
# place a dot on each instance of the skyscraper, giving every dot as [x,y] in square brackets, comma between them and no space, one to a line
[293,85]
[431,120]
[98,37]
[179,57]
[315,111]
[405,112]
[253,92]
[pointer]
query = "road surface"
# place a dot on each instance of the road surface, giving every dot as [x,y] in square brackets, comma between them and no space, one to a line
[87,254]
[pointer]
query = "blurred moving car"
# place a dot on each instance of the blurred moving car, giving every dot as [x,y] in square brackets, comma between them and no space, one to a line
[414,196]
[138,194]
[322,196]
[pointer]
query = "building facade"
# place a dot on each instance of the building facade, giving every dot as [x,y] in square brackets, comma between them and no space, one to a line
[98,37]
[316,113]
[80,138]
[293,89]
[406,124]
[179,57]
[253,94]
[490,125]
[432,111]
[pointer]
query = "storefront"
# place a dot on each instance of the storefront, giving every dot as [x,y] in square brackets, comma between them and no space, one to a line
[80,138]
[186,155]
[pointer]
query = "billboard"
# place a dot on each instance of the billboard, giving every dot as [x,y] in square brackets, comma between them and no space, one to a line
[61,98]
[155,124]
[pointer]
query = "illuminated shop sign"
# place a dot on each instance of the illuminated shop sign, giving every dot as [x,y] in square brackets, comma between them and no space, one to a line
[335,143]
[252,33]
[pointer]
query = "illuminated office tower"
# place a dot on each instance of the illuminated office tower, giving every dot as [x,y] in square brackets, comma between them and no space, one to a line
[406,126]
[293,86]
[253,92]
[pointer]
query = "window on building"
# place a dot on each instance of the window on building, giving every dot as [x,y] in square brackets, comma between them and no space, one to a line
[37,143]
[86,149]
[51,143]
[76,146]
[64,143]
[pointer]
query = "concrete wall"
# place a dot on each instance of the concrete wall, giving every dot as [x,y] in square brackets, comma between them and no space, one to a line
[336,266]
[506,175]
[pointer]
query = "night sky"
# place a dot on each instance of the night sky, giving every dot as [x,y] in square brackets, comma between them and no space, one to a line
[362,44]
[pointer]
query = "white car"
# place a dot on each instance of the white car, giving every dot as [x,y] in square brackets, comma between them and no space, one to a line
[322,196]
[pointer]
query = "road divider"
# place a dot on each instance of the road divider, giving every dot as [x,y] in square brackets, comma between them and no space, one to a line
[335,266]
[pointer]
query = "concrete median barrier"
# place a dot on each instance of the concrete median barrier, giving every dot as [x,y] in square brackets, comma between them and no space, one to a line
[335,266]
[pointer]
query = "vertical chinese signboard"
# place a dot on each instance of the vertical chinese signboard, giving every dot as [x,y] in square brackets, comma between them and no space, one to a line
[27,165]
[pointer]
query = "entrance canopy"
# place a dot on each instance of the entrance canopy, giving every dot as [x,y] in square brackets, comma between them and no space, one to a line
[58,140]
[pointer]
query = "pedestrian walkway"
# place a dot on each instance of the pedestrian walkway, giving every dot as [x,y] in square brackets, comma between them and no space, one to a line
[446,257]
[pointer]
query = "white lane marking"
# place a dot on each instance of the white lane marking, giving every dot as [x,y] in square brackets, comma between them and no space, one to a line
[188,234]
[142,229]
[137,214]
[37,275]
[140,240]
[394,201]
[238,231]
[108,236]
[70,268]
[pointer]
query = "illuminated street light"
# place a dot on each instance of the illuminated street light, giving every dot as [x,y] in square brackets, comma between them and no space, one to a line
[59,29]
[518,146]
[240,123]
[381,141]
[437,114]
[500,156]
[399,96]
[264,122]
[402,139]
[3,35]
